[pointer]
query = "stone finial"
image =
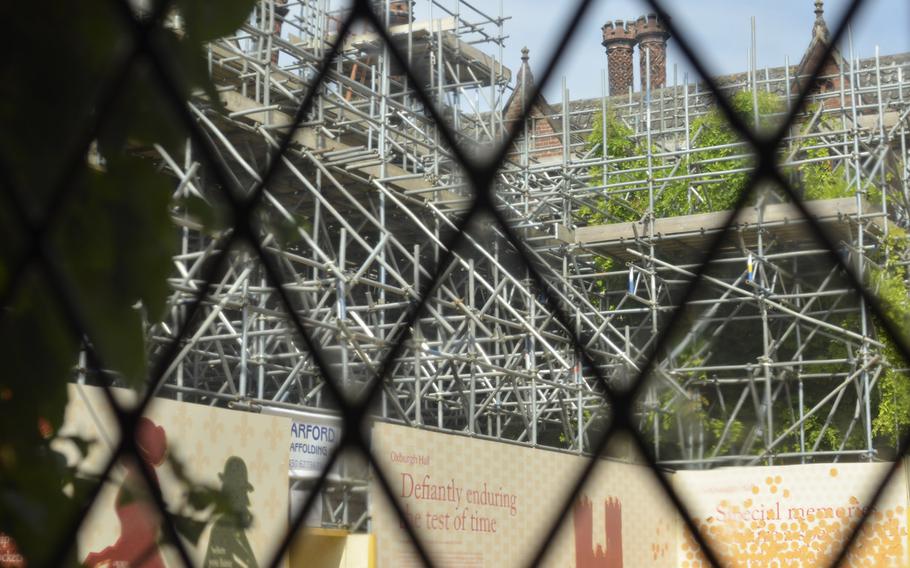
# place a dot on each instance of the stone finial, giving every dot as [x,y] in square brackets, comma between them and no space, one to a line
[820,28]
[524,86]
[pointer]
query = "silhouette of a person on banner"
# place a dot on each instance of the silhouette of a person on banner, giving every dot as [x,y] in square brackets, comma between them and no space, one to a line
[137,546]
[228,544]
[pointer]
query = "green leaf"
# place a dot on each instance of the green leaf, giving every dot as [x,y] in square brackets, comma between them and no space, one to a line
[42,112]
[192,66]
[115,239]
[213,218]
[32,496]
[39,350]
[117,242]
[141,115]
[207,20]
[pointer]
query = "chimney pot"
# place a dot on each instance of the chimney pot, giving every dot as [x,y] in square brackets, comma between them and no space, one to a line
[652,36]
[619,40]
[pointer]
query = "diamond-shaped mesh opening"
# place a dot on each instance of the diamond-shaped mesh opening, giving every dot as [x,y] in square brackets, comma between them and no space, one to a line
[757,367]
[596,529]
[338,514]
[223,341]
[489,357]
[489,318]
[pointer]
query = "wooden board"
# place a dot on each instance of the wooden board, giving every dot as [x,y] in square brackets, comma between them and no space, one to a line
[687,233]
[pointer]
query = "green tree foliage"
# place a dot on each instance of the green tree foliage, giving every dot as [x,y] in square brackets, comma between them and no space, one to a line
[831,437]
[79,76]
[720,160]
[890,286]
[819,180]
[720,165]
[626,167]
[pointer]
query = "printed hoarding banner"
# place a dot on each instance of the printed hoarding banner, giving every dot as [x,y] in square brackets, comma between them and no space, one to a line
[794,515]
[313,440]
[481,503]
[474,502]
[314,437]
[241,455]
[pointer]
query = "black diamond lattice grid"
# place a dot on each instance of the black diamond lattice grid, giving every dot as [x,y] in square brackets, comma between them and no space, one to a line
[480,175]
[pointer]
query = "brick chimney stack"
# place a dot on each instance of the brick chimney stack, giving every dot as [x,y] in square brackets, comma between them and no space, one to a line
[652,36]
[619,39]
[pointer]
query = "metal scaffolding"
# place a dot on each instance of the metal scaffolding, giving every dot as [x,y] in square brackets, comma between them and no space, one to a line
[777,349]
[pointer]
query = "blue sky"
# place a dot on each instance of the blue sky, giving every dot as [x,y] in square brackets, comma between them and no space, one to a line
[720,28]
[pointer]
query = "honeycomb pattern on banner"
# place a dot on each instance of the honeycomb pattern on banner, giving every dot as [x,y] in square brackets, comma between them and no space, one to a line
[798,515]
